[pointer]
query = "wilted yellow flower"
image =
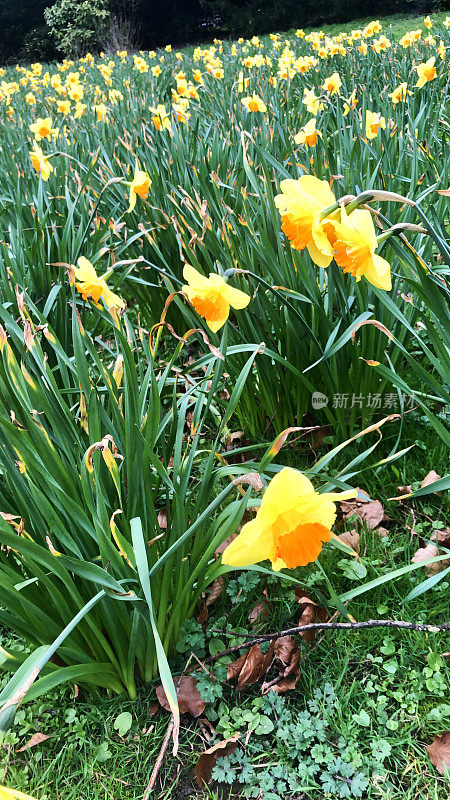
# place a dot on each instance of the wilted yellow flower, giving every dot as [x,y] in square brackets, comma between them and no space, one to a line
[351,103]
[290,527]
[354,243]
[40,162]
[140,185]
[400,93]
[308,135]
[42,129]
[93,287]
[100,111]
[301,205]
[254,103]
[212,297]
[332,84]
[374,121]
[426,72]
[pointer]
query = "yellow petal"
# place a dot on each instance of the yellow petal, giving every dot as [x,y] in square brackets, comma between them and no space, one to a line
[235,297]
[253,544]
[193,277]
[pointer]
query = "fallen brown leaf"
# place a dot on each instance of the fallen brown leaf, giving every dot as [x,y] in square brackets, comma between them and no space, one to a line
[310,612]
[36,739]
[370,512]
[430,478]
[208,759]
[287,655]
[189,698]
[439,751]
[351,538]
[261,611]
[251,666]
[430,551]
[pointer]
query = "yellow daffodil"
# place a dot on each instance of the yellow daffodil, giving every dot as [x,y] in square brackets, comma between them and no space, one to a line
[428,22]
[40,162]
[212,297]
[160,118]
[332,84]
[308,135]
[400,93]
[426,72]
[351,103]
[362,48]
[312,103]
[93,287]
[290,527]
[300,205]
[374,121]
[254,103]
[63,106]
[441,50]
[42,129]
[100,111]
[140,185]
[13,794]
[354,243]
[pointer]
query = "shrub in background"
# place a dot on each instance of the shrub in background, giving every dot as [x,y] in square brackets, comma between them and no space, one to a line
[77,25]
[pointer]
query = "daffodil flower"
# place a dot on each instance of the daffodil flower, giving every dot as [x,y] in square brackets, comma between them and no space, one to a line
[308,135]
[290,527]
[40,162]
[91,286]
[426,72]
[300,205]
[212,297]
[42,129]
[354,243]
[140,185]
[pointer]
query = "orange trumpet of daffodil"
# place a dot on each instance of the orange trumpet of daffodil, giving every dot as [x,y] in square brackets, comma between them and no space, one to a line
[92,286]
[354,243]
[300,205]
[212,297]
[139,186]
[291,525]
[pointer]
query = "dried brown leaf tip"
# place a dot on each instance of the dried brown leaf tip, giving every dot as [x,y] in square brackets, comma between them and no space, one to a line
[439,752]
[208,758]
[189,698]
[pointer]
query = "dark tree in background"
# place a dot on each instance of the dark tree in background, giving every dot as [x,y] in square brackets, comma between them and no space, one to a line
[151,23]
